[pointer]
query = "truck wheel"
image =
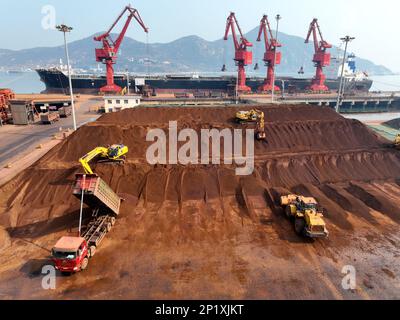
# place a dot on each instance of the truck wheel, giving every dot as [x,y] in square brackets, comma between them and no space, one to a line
[260,136]
[108,226]
[85,263]
[92,251]
[288,211]
[113,220]
[299,225]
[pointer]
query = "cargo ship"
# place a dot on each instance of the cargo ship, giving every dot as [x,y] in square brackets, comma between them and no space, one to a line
[56,81]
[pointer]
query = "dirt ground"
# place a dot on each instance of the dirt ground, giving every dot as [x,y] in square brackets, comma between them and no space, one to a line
[202,232]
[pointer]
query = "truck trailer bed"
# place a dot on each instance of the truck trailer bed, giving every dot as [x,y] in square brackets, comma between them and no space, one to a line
[97,194]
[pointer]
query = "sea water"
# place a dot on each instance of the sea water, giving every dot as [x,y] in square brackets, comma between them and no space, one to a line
[24,82]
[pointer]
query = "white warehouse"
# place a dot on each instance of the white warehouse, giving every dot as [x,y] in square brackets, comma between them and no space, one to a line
[118,103]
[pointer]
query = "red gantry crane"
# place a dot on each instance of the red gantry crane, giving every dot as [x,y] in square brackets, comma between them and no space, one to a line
[108,54]
[321,57]
[242,56]
[271,57]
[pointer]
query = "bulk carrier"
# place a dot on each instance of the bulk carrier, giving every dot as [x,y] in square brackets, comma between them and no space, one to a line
[56,81]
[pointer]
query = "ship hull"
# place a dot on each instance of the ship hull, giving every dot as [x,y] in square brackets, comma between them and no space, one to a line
[57,82]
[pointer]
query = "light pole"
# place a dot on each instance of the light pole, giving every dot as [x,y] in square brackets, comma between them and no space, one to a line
[128,84]
[346,39]
[64,29]
[278,17]
[83,183]
[236,91]
[283,88]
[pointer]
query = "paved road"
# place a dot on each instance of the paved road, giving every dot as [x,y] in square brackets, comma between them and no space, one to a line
[18,140]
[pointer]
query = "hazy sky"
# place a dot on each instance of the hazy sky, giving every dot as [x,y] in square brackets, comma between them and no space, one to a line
[373,23]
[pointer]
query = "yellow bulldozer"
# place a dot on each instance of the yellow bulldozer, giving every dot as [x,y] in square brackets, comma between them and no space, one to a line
[308,220]
[115,153]
[256,116]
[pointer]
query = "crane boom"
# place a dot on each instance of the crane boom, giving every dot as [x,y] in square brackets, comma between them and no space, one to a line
[230,25]
[265,28]
[242,56]
[319,45]
[321,58]
[108,53]
[271,57]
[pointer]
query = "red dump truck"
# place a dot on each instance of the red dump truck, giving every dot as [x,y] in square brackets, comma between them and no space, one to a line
[72,254]
[5,96]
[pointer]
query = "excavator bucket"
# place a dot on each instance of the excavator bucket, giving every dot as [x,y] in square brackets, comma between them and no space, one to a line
[286,200]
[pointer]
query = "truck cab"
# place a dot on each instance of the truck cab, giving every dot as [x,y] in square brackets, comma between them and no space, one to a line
[70,254]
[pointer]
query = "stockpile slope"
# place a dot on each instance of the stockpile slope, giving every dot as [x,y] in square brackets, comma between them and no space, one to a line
[395,123]
[305,145]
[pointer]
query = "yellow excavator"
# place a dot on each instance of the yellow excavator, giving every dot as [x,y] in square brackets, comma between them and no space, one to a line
[253,116]
[114,153]
[308,220]
[397,142]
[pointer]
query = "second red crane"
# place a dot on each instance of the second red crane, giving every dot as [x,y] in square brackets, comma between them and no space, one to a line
[271,57]
[321,57]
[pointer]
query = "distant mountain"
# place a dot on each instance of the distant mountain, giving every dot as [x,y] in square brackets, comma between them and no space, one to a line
[188,54]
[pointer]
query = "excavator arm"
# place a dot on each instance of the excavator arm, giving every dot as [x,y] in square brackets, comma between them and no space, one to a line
[99,151]
[261,135]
